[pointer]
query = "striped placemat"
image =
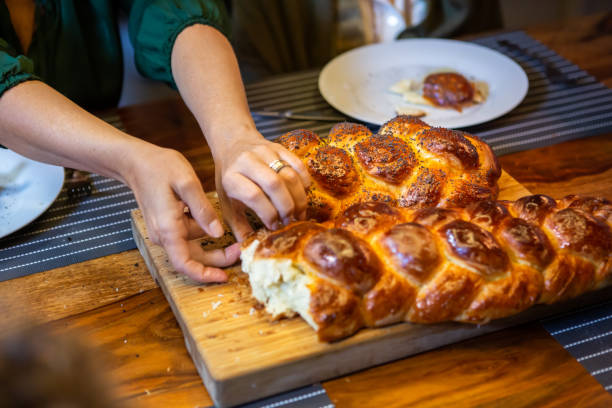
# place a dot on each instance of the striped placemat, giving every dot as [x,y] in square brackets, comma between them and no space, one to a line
[71,231]
[587,335]
[99,225]
[549,114]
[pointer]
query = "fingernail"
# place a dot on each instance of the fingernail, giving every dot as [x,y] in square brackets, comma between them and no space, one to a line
[215,228]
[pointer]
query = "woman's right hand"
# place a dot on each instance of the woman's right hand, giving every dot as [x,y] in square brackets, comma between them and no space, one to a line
[165,185]
[244,180]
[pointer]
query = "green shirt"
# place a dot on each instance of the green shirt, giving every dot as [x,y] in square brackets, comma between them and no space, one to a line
[76,49]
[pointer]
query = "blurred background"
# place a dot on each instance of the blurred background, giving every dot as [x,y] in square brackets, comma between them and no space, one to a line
[276,36]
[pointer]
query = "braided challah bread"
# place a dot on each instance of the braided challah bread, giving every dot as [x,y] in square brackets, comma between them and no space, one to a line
[407,164]
[376,264]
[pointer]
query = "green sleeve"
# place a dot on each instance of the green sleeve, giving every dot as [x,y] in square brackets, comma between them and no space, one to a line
[155,24]
[14,69]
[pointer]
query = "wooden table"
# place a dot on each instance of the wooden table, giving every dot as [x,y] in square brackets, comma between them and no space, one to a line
[116,305]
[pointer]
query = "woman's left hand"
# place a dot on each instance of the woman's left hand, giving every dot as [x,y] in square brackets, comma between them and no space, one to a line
[245,179]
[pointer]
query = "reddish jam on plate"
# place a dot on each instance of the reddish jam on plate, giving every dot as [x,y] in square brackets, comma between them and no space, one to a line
[448,89]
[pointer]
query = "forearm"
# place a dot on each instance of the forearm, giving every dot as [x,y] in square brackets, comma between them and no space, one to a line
[207,75]
[40,123]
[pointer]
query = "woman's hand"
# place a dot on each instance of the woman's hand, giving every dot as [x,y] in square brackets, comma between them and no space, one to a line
[206,73]
[244,180]
[165,186]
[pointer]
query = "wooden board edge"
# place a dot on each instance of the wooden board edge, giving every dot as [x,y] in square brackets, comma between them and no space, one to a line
[142,246]
[335,363]
[192,349]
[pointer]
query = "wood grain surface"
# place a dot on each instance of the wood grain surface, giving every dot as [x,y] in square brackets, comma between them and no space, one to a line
[242,355]
[135,328]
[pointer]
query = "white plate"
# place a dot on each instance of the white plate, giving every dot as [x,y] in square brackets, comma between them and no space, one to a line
[27,189]
[357,82]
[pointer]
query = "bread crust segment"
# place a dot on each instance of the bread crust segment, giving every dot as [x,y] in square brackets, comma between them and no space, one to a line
[376,264]
[407,163]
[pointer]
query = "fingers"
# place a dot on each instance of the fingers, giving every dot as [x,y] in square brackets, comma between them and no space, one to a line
[296,164]
[238,222]
[244,190]
[194,230]
[284,191]
[189,258]
[274,186]
[192,193]
[163,202]
[216,257]
[296,189]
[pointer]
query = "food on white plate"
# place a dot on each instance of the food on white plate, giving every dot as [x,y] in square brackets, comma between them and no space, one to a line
[442,90]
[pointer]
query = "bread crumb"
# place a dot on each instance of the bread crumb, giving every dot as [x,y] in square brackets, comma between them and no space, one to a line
[236,315]
[405,110]
[205,314]
[215,305]
[252,311]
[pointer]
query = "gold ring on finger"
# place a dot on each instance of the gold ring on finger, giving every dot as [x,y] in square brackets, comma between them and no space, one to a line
[278,165]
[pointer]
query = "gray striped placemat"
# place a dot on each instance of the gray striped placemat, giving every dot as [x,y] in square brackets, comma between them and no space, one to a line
[549,114]
[587,335]
[72,231]
[99,225]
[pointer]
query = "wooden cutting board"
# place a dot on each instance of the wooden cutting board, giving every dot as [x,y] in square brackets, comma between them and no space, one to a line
[242,356]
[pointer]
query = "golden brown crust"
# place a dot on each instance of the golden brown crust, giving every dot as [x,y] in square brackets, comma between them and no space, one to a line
[388,302]
[412,232]
[333,169]
[335,310]
[527,242]
[407,163]
[403,125]
[347,132]
[487,213]
[477,247]
[534,208]
[386,157]
[581,233]
[376,264]
[446,296]
[365,218]
[299,141]
[286,241]
[343,257]
[411,249]
[426,189]
[447,143]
